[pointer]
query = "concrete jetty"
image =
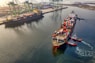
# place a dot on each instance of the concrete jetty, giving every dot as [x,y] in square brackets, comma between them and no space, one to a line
[9,17]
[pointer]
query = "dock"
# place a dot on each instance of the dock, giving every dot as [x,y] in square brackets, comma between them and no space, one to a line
[52,10]
[7,18]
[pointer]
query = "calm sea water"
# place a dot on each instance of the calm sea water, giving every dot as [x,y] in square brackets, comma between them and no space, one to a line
[32,43]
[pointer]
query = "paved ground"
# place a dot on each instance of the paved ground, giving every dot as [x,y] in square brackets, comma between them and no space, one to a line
[8,17]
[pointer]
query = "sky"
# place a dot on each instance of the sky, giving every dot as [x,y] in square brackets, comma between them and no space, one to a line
[4,2]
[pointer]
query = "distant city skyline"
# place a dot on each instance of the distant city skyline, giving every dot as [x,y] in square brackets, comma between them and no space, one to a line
[72,1]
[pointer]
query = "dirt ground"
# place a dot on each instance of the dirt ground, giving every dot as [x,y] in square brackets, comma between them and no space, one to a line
[4,11]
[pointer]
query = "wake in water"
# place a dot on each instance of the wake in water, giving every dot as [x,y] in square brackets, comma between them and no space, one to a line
[75,36]
[87,44]
[84,53]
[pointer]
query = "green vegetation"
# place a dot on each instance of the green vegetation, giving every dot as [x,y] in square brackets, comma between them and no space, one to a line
[12,7]
[16,9]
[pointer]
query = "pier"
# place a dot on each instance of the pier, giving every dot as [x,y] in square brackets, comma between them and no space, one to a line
[7,18]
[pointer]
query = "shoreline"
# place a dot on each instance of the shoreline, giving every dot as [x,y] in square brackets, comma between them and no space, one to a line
[88,7]
[7,17]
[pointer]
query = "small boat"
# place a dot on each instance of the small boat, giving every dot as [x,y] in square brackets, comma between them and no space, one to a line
[60,39]
[71,43]
[74,38]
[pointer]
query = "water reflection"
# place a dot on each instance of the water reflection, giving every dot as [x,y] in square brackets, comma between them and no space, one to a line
[57,15]
[20,44]
[18,24]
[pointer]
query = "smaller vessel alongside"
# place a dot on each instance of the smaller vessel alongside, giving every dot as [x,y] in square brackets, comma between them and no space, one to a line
[74,38]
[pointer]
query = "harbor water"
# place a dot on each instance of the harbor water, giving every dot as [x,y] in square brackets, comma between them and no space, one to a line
[32,42]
